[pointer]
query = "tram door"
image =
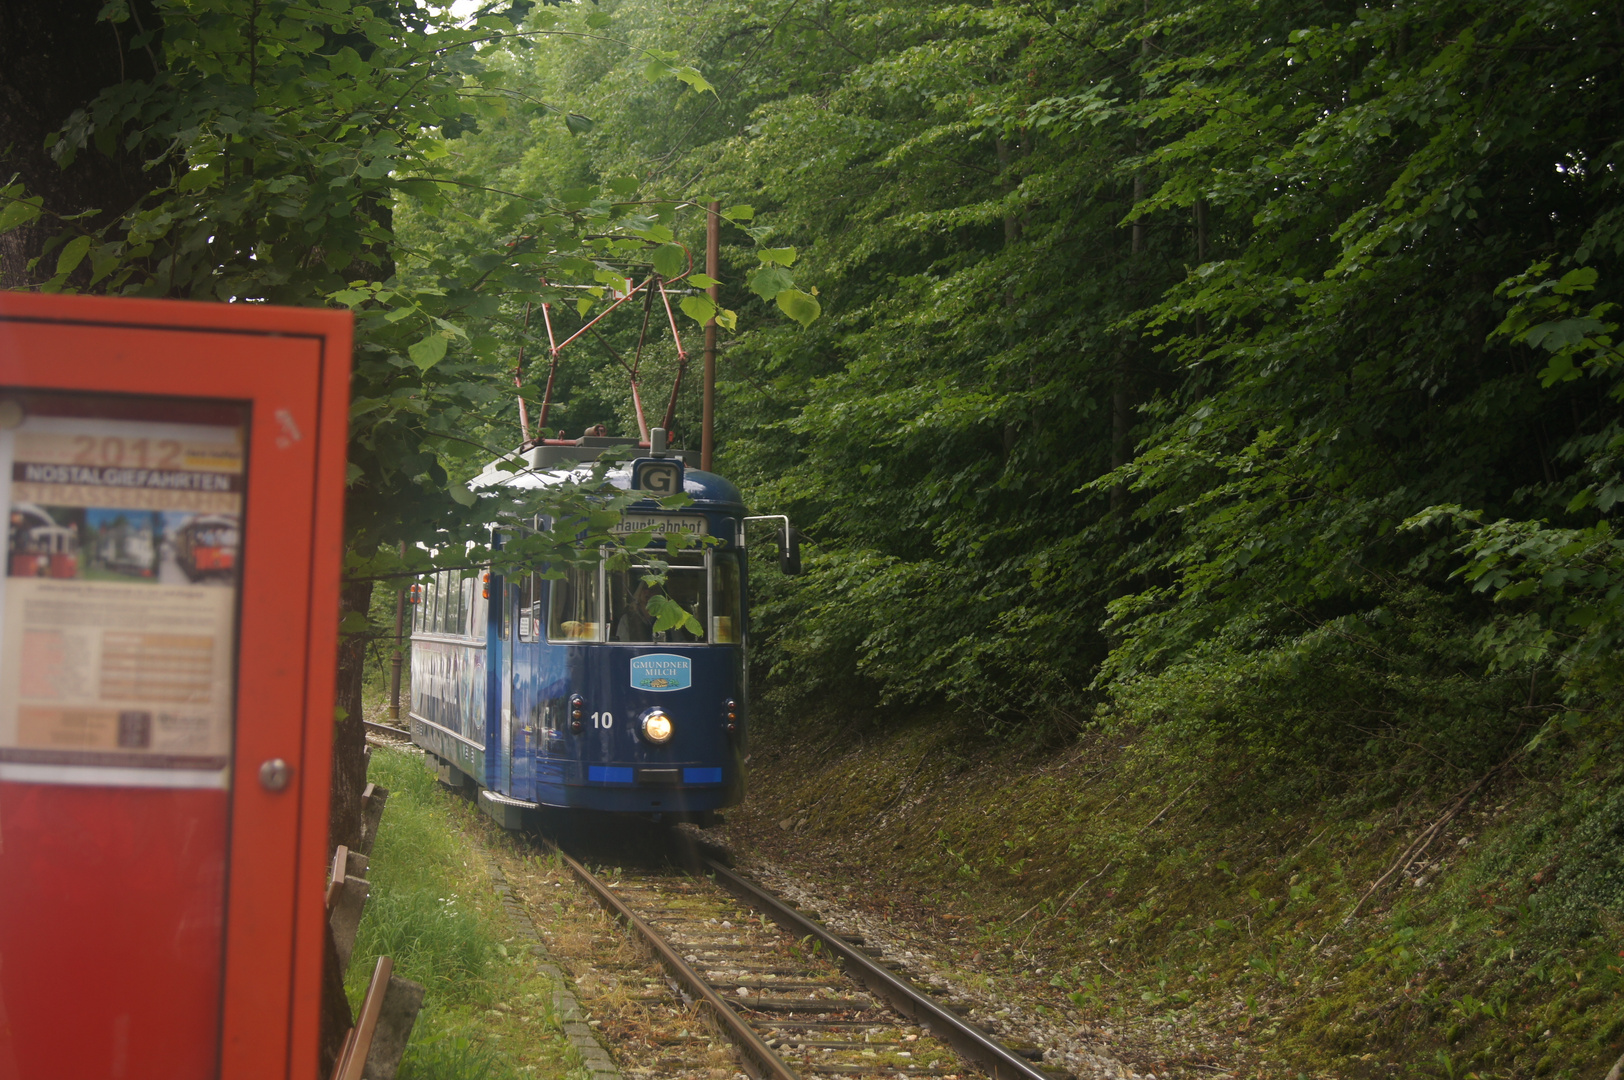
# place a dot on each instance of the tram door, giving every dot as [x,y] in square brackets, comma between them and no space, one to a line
[524,634]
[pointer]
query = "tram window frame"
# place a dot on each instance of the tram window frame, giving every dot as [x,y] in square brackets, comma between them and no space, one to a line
[526,609]
[725,571]
[448,602]
[441,601]
[480,613]
[590,574]
[448,609]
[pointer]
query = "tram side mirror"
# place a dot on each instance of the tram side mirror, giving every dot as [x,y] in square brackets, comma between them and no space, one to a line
[789,555]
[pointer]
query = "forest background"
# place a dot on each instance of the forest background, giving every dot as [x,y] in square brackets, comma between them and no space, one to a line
[1242,375]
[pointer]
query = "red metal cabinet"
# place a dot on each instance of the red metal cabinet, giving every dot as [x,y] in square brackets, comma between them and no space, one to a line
[174,478]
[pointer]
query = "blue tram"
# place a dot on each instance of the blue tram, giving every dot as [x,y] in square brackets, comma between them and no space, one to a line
[560,693]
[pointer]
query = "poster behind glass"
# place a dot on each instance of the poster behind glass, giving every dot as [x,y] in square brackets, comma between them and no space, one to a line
[118,617]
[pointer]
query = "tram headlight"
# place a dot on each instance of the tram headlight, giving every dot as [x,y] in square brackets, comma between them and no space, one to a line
[657,727]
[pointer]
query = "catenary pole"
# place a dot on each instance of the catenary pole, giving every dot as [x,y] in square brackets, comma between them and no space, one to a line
[713,261]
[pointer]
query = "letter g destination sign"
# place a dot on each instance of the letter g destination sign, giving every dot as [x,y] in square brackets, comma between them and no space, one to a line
[658,478]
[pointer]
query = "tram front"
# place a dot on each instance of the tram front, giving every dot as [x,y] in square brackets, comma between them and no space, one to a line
[627,690]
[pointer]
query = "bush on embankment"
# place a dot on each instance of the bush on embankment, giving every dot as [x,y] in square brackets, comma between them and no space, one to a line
[1170,865]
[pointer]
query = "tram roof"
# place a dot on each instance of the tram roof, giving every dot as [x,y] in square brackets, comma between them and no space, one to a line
[707,489]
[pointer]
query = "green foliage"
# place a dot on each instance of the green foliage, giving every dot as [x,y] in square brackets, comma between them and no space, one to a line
[1393,692]
[1148,328]
[1546,316]
[285,147]
[1564,589]
[1146,331]
[670,615]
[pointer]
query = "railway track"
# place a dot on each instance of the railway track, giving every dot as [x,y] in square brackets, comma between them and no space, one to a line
[794,998]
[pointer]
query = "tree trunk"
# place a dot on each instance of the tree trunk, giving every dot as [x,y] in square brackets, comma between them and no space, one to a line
[55,58]
[344,811]
[349,734]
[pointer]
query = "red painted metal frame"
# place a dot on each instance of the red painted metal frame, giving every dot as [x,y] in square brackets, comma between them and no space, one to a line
[554,348]
[292,367]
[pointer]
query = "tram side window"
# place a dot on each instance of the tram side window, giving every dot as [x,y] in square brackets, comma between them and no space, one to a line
[632,604]
[727,622]
[481,610]
[431,604]
[529,611]
[574,615]
[465,615]
[446,609]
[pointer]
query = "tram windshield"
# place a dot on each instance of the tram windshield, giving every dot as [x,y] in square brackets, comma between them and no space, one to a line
[594,603]
[217,536]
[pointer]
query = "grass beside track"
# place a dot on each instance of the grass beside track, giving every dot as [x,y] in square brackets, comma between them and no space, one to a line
[486,1015]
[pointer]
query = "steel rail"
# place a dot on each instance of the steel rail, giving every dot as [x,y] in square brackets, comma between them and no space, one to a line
[743,1035]
[970,1041]
[385,729]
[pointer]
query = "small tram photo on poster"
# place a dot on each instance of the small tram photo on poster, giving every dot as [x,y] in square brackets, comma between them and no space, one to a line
[117,610]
